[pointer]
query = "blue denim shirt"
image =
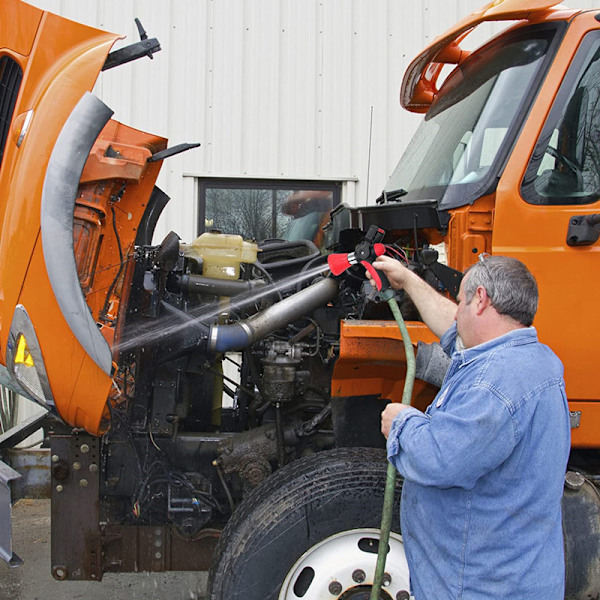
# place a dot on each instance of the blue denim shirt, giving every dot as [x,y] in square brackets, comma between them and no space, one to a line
[483,475]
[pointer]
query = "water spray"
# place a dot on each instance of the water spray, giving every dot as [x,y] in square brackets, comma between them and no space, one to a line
[195,324]
[365,253]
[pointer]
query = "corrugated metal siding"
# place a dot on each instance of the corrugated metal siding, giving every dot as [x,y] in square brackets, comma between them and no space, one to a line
[271,88]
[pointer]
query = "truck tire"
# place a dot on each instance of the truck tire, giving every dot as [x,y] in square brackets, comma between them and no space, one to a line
[310,531]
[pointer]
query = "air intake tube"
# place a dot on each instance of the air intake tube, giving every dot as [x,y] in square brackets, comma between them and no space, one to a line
[225,338]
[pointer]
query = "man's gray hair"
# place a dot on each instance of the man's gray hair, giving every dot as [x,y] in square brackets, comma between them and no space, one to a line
[511,287]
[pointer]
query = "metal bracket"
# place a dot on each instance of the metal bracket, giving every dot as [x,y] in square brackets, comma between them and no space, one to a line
[168,152]
[575,418]
[24,429]
[145,47]
[75,508]
[6,553]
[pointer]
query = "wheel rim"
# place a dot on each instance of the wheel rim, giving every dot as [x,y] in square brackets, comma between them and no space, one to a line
[343,566]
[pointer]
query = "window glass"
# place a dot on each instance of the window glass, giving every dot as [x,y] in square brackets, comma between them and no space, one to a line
[458,148]
[267,210]
[565,165]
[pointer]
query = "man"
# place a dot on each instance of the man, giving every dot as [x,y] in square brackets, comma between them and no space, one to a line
[484,466]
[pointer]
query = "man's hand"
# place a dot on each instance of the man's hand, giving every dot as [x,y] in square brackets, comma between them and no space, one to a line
[395,271]
[387,416]
[436,310]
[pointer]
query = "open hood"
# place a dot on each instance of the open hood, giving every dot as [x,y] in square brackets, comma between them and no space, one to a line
[74,187]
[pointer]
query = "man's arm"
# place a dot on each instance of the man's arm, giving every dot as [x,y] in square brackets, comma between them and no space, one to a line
[436,310]
[456,446]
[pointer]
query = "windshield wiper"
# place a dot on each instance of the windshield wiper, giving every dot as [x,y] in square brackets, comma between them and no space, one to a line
[391,196]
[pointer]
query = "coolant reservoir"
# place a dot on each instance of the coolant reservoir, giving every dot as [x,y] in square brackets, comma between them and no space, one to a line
[221,254]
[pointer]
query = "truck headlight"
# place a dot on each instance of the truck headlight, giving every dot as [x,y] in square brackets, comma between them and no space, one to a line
[24,359]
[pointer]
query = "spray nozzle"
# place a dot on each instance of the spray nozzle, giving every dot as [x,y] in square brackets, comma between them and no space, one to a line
[364,254]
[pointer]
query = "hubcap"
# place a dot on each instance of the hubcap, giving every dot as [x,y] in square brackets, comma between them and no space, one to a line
[363,592]
[342,567]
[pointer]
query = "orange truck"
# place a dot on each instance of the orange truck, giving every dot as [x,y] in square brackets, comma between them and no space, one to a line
[278,491]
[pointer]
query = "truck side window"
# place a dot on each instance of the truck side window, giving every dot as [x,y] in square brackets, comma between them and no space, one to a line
[565,165]
[258,209]
[10,82]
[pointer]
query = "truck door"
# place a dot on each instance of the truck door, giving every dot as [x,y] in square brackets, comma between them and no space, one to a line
[537,220]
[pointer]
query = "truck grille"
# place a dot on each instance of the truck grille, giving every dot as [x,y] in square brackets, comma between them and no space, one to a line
[10,82]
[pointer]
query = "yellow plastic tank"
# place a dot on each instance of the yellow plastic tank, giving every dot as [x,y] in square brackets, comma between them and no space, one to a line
[221,254]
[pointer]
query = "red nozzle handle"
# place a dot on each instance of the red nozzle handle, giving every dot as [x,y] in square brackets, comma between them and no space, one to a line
[374,274]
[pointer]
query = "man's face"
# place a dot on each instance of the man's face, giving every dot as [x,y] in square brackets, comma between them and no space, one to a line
[465,317]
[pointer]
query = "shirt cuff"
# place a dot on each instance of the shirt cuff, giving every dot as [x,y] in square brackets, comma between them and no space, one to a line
[393,441]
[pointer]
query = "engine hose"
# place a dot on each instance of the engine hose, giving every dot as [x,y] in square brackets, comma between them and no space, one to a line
[390,484]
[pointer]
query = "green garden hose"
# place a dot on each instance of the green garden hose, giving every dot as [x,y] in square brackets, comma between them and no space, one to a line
[390,485]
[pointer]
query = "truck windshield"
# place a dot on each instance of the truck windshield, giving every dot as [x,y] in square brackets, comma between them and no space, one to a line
[456,152]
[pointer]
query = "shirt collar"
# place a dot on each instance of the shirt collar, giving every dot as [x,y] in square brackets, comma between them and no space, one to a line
[516,337]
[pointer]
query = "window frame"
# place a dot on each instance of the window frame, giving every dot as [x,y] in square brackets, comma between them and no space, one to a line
[565,92]
[233,183]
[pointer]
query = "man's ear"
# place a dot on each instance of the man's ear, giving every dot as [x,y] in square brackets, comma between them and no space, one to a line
[482,300]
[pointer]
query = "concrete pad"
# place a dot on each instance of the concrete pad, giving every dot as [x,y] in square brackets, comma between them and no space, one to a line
[33,581]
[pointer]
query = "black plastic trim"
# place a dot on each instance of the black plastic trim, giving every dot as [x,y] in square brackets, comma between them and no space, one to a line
[156,204]
[11,76]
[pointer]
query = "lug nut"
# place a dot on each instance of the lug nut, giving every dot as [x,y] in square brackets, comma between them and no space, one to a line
[387,579]
[85,448]
[335,588]
[359,576]
[403,595]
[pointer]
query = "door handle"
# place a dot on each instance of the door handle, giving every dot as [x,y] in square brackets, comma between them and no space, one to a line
[583,230]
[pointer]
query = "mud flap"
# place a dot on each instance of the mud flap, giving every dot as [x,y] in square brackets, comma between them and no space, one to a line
[7,474]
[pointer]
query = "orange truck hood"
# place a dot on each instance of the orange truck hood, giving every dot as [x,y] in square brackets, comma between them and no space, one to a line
[50,342]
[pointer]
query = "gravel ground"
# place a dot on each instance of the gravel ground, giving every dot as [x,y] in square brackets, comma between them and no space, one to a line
[33,581]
